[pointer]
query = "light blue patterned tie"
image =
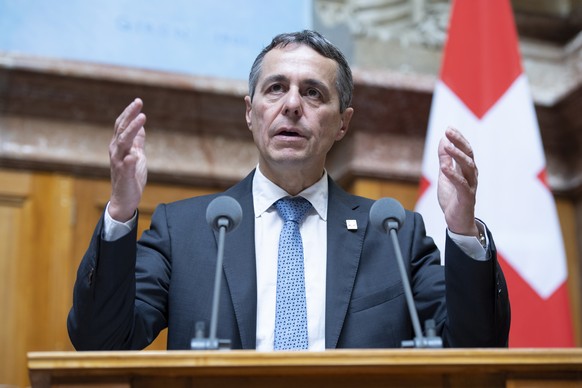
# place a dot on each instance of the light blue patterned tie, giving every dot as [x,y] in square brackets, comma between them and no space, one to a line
[291,308]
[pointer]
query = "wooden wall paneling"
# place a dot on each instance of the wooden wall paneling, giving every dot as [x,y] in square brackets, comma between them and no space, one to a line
[35,245]
[405,192]
[15,258]
[46,221]
[51,273]
[567,215]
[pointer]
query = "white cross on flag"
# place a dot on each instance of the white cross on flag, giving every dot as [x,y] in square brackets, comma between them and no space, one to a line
[483,92]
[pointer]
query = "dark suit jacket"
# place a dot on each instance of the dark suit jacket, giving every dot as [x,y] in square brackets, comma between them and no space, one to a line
[126,293]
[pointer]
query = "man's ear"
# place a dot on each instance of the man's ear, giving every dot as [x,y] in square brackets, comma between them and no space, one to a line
[344,123]
[249,108]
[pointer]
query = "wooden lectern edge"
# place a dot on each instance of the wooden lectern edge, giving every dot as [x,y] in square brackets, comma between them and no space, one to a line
[332,368]
[555,357]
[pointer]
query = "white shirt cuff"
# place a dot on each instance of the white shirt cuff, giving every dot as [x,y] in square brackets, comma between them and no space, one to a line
[113,230]
[471,244]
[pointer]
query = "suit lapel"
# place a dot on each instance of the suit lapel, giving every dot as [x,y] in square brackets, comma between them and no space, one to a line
[344,248]
[240,265]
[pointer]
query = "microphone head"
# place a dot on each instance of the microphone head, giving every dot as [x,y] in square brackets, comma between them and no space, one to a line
[224,208]
[387,210]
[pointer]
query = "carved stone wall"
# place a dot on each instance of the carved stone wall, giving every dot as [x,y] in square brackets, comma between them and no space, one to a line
[58,114]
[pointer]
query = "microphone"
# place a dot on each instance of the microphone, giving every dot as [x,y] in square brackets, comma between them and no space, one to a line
[224,211]
[387,214]
[223,214]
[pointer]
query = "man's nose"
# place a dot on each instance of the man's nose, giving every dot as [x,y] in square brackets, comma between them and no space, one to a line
[292,104]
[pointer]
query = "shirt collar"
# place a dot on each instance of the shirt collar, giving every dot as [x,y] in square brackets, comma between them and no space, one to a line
[266,193]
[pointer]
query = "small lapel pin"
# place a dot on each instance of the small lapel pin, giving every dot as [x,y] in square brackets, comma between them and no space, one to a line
[352,224]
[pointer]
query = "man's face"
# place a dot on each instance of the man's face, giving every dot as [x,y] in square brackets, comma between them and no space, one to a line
[294,115]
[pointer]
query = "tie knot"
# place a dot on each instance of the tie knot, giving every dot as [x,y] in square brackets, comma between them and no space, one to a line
[292,209]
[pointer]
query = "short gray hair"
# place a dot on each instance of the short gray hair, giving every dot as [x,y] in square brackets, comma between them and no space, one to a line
[313,39]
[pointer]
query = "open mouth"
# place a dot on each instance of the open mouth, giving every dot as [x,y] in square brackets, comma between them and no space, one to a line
[289,133]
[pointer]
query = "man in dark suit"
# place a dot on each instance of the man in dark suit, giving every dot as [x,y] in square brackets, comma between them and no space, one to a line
[298,106]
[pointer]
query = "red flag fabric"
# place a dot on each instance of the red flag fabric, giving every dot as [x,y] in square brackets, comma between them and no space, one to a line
[483,92]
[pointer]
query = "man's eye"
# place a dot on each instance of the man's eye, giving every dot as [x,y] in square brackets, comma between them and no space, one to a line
[276,88]
[314,93]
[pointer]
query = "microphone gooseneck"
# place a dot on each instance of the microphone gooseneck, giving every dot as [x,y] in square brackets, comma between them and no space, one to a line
[388,215]
[223,214]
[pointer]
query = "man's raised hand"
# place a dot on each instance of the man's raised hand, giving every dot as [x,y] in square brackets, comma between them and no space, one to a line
[457,187]
[127,162]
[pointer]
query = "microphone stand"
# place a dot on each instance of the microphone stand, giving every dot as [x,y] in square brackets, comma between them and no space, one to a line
[431,340]
[199,342]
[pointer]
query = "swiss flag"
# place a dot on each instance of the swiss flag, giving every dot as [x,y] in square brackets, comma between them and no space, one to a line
[483,92]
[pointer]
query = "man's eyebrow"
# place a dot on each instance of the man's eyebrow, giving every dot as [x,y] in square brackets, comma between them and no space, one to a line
[316,83]
[274,78]
[310,82]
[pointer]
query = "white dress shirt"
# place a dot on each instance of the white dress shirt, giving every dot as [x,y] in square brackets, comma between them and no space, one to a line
[268,225]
